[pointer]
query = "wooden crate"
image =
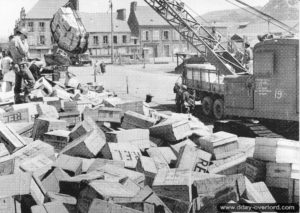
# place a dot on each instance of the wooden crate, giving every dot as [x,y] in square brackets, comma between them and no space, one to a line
[162,156]
[84,127]
[10,138]
[47,111]
[193,159]
[3,150]
[7,166]
[177,205]
[125,105]
[140,206]
[44,125]
[99,162]
[51,181]
[16,116]
[62,198]
[87,146]
[147,166]
[72,118]
[171,131]
[134,120]
[59,139]
[255,170]
[9,205]
[277,150]
[53,207]
[38,165]
[103,114]
[69,106]
[71,165]
[176,147]
[220,145]
[125,152]
[264,192]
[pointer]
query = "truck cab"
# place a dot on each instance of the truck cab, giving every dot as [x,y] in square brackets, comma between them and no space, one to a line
[272,92]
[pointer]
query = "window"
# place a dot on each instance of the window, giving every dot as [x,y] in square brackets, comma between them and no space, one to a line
[95,40]
[42,26]
[135,41]
[115,39]
[176,35]
[105,39]
[30,27]
[166,35]
[124,39]
[42,40]
[31,40]
[145,36]
[155,35]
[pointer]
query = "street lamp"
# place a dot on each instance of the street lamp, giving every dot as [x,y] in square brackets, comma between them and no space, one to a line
[112,31]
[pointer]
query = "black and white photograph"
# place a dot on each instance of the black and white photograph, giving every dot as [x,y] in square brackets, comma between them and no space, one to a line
[149,106]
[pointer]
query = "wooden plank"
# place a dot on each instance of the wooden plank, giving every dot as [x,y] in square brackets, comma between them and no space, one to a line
[140,206]
[71,165]
[107,207]
[133,120]
[44,125]
[87,146]
[10,138]
[23,129]
[16,116]
[103,114]
[170,130]
[57,138]
[255,170]
[252,193]
[220,145]
[52,207]
[193,159]
[125,152]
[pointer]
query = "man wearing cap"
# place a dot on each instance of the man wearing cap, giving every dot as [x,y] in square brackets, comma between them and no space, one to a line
[187,102]
[248,58]
[19,50]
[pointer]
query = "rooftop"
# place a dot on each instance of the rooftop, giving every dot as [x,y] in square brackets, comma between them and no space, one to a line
[44,9]
[146,16]
[100,22]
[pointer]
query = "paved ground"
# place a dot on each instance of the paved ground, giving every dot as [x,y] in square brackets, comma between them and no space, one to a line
[156,79]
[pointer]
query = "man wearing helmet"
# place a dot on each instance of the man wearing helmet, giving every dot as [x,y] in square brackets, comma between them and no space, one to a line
[19,50]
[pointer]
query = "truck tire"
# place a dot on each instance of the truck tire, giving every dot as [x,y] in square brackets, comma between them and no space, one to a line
[218,109]
[207,105]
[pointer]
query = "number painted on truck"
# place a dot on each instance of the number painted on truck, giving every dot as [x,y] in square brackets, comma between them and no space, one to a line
[278,94]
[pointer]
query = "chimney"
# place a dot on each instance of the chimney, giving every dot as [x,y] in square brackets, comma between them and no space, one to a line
[74,4]
[121,14]
[133,6]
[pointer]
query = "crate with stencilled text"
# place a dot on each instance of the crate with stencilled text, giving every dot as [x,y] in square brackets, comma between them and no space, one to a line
[72,118]
[57,138]
[104,114]
[15,116]
[193,159]
[220,144]
[134,120]
[125,105]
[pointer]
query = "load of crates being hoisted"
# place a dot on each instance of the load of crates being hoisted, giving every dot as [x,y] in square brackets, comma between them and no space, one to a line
[68,31]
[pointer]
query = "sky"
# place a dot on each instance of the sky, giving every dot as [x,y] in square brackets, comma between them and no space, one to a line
[10,9]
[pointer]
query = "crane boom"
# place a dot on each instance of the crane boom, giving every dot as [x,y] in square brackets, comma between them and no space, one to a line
[174,12]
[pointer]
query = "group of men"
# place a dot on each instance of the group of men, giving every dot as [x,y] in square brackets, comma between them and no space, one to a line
[184,100]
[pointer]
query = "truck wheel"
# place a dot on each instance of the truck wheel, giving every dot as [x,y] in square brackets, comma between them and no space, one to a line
[207,104]
[218,109]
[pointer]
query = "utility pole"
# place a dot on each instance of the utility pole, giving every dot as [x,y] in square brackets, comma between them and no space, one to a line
[112,31]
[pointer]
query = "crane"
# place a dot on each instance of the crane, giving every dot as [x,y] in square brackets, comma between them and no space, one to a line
[177,15]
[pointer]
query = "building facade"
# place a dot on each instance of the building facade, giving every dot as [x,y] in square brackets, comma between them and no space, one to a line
[154,33]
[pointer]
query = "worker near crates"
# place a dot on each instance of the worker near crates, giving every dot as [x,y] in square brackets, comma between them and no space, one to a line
[187,100]
[24,80]
[248,58]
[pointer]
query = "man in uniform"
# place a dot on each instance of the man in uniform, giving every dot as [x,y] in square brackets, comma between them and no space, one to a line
[19,50]
[248,58]
[187,101]
[178,98]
